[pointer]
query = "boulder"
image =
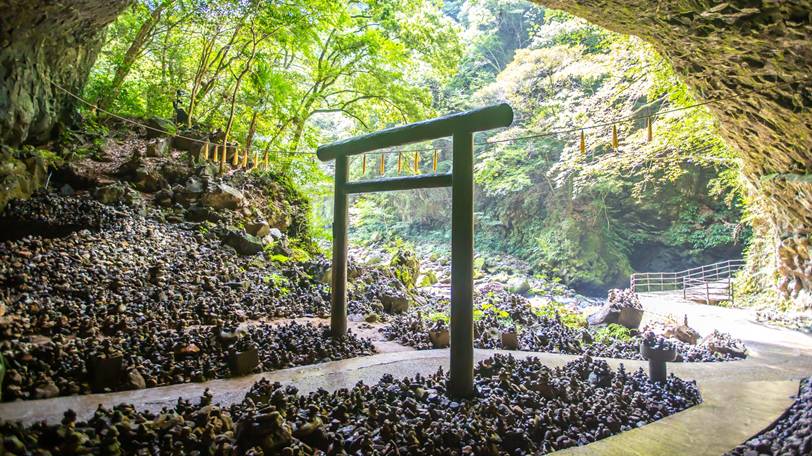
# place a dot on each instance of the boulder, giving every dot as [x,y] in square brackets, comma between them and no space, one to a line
[243,243]
[199,214]
[160,128]
[164,197]
[394,301]
[259,229]
[440,338]
[623,307]
[276,234]
[194,185]
[518,285]
[73,174]
[182,197]
[682,333]
[630,317]
[158,148]
[149,180]
[135,380]
[243,363]
[223,197]
[189,141]
[111,194]
[510,340]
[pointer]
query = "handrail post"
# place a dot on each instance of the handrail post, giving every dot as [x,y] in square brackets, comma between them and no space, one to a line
[684,290]
[461,381]
[338,310]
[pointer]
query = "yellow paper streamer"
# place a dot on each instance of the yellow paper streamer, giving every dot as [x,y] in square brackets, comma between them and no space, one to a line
[614,137]
[583,144]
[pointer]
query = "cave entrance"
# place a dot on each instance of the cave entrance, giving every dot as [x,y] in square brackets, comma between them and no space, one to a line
[461,127]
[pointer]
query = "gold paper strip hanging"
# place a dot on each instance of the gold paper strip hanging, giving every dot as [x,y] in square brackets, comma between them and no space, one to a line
[614,138]
[649,129]
[216,157]
[400,162]
[235,161]
[364,165]
[583,144]
[382,165]
[223,154]
[265,159]
[205,153]
[434,164]
[416,163]
[245,154]
[254,160]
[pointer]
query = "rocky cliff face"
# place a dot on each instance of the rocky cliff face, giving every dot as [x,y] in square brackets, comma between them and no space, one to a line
[756,56]
[43,40]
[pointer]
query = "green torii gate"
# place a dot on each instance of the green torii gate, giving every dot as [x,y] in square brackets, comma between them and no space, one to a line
[461,127]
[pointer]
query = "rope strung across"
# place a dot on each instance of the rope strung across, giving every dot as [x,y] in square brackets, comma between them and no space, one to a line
[582,146]
[157,130]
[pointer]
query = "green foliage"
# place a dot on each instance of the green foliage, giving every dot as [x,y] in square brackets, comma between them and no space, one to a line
[438,316]
[611,333]
[565,29]
[700,229]
[278,281]
[428,279]
[555,310]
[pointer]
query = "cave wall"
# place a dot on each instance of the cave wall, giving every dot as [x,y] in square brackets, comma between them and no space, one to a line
[757,55]
[40,40]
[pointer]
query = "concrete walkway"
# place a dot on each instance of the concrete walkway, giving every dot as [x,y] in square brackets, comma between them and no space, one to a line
[740,397]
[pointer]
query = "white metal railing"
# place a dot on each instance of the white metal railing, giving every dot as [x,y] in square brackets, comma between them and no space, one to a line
[709,283]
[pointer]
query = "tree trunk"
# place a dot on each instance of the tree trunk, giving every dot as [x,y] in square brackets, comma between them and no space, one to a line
[141,39]
[42,41]
[252,129]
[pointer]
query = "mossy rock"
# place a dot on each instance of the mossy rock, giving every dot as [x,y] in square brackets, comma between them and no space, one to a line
[406,267]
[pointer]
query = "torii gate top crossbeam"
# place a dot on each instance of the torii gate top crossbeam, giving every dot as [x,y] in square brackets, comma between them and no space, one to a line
[487,118]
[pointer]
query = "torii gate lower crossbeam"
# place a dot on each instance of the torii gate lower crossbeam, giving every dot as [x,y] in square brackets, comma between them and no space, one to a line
[461,128]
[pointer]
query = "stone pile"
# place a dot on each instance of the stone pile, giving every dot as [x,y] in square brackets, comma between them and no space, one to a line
[116,291]
[148,358]
[622,307]
[791,434]
[521,407]
[501,317]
